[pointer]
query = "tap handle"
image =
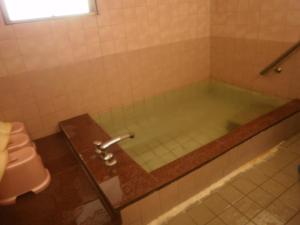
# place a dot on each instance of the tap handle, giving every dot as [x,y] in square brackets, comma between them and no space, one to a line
[98,146]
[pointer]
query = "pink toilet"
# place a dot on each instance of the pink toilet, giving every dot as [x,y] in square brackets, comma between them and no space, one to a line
[24,172]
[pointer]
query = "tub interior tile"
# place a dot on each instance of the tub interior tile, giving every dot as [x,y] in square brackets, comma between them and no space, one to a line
[152,119]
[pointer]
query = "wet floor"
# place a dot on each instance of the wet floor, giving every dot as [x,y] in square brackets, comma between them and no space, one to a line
[70,198]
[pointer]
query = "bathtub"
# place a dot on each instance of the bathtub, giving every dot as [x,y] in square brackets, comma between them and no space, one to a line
[186,139]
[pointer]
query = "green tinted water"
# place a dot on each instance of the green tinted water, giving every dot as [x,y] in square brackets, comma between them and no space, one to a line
[175,123]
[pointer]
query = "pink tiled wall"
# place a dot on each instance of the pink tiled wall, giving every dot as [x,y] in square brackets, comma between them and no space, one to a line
[121,26]
[246,35]
[54,69]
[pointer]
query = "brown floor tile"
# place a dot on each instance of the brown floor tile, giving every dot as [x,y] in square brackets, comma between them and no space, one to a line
[32,209]
[180,219]
[248,207]
[281,211]
[200,214]
[267,169]
[295,146]
[91,213]
[282,159]
[69,198]
[284,179]
[292,140]
[292,169]
[250,223]
[233,217]
[295,220]
[255,176]
[230,194]
[266,218]
[215,203]
[287,155]
[58,204]
[216,221]
[272,187]
[243,185]
[261,197]
[291,196]
[55,153]
[74,188]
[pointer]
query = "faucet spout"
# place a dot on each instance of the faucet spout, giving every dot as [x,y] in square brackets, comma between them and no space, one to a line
[115,140]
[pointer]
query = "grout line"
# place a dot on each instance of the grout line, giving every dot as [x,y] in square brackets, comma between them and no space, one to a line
[276,197]
[198,197]
[247,194]
[297,213]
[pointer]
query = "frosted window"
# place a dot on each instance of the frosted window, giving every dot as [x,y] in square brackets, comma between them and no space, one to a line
[22,10]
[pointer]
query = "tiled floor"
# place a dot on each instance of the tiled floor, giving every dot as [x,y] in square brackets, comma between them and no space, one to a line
[268,194]
[70,199]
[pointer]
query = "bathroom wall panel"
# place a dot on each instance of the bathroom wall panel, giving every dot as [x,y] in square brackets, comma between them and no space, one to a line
[248,35]
[130,26]
[42,98]
[54,69]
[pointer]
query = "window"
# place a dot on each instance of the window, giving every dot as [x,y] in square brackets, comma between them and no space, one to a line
[28,10]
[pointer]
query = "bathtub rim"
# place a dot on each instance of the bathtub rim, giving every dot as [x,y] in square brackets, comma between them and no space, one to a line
[75,130]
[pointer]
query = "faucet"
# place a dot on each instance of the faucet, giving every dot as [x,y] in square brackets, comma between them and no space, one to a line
[102,148]
[115,140]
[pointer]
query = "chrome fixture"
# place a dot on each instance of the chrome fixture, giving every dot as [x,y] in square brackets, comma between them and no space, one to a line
[102,148]
[278,69]
[280,59]
[116,140]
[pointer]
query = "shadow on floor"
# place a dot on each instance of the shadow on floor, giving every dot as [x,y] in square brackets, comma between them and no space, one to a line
[70,198]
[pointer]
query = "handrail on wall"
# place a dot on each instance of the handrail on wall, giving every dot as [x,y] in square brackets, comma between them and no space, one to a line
[280,59]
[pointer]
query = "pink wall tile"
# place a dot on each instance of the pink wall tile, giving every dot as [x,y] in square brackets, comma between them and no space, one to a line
[244,44]
[9,49]
[138,48]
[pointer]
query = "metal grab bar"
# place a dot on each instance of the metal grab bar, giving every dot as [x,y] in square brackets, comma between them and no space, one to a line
[280,59]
